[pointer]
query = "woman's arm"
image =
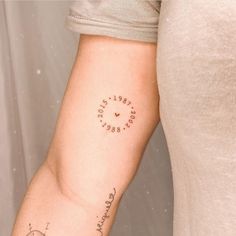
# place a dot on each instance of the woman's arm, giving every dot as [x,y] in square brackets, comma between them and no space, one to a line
[109,112]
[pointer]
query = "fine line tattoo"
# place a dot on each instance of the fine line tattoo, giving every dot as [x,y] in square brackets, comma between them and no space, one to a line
[122,120]
[105,215]
[34,232]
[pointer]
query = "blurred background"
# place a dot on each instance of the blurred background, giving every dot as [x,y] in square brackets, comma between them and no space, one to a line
[36,57]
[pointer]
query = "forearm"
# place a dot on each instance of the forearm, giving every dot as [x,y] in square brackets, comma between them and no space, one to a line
[48,210]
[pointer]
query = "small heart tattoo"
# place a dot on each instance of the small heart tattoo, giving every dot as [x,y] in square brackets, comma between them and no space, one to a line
[117,114]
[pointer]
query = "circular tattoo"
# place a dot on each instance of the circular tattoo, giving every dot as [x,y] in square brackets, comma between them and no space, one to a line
[35,233]
[116,114]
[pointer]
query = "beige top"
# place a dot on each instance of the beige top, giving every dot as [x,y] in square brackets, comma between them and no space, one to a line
[133,19]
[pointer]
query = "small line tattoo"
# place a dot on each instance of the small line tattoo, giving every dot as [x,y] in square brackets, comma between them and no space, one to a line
[105,215]
[121,119]
[35,232]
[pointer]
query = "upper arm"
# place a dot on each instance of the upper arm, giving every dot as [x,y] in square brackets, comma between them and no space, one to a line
[116,55]
[105,69]
[109,112]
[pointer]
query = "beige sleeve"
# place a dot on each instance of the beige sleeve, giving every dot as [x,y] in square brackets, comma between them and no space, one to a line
[125,19]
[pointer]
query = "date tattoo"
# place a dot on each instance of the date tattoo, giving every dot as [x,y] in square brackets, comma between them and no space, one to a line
[105,215]
[122,120]
[34,232]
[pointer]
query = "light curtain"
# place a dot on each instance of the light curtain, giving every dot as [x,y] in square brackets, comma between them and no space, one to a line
[36,56]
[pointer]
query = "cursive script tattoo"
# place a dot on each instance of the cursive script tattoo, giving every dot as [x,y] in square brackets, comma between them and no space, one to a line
[33,232]
[105,215]
[116,113]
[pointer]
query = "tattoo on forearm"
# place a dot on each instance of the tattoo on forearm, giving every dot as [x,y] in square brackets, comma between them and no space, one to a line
[33,232]
[121,120]
[105,215]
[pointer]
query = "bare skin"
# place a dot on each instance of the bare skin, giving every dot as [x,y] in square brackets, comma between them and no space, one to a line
[109,112]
